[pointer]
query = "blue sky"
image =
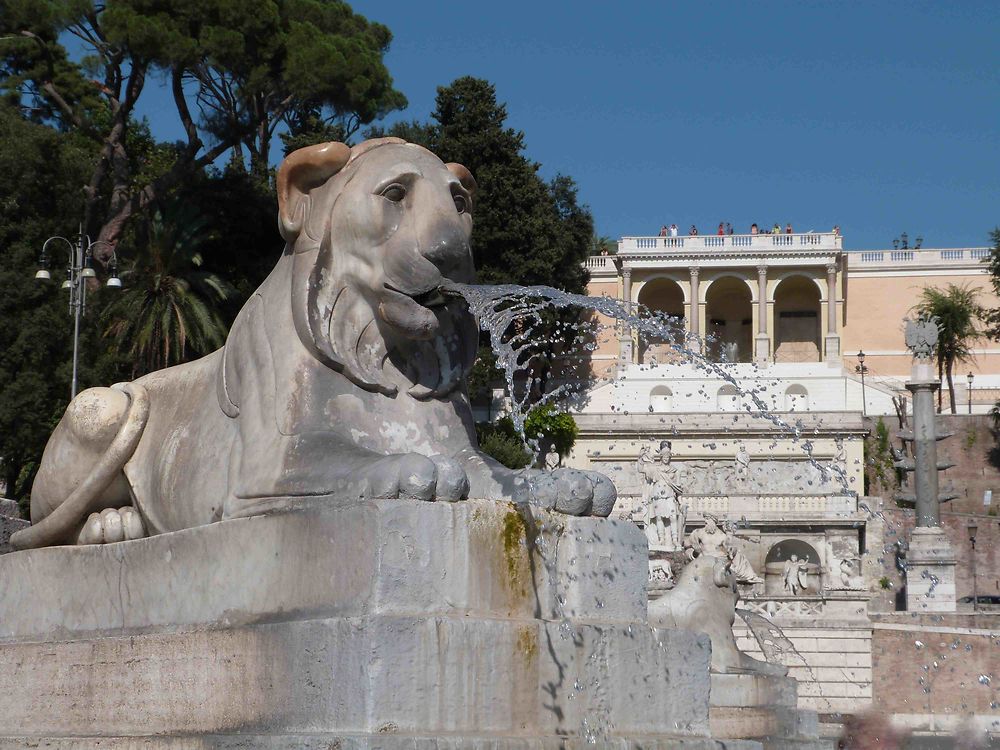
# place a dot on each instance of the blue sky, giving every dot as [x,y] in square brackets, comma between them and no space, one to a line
[880,117]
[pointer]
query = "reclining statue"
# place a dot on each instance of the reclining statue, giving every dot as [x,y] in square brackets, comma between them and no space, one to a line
[342,378]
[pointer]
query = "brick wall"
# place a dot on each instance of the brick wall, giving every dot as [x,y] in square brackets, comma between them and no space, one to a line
[923,664]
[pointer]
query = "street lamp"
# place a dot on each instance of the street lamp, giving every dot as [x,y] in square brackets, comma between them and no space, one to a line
[969,377]
[80,268]
[861,370]
[904,239]
[972,528]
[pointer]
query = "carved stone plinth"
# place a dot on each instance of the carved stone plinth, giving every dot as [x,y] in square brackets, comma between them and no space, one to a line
[762,708]
[384,624]
[930,571]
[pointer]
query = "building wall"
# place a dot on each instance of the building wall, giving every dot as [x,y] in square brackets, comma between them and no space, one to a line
[876,305]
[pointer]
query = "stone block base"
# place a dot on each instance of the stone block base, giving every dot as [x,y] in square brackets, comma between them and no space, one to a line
[930,572]
[389,624]
[762,708]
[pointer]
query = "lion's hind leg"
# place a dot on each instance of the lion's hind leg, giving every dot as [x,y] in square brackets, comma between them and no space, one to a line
[81,471]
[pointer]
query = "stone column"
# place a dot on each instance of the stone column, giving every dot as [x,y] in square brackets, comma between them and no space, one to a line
[930,559]
[625,347]
[694,317]
[762,342]
[831,343]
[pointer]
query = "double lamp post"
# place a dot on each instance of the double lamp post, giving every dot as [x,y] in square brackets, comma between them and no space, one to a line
[79,271]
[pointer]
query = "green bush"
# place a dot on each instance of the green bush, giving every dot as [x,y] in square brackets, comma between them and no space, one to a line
[506,449]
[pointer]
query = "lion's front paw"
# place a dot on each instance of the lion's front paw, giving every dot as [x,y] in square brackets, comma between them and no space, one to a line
[571,491]
[112,525]
[417,477]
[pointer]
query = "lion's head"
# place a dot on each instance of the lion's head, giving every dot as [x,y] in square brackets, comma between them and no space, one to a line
[375,232]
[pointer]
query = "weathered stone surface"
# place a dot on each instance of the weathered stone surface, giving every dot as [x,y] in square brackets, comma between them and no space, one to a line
[368,742]
[462,620]
[478,558]
[10,522]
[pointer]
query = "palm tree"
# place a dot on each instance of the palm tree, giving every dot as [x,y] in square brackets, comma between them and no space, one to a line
[957,311]
[169,310]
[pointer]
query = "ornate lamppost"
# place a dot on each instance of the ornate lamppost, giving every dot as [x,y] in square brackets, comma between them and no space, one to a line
[862,370]
[79,269]
[970,377]
[972,528]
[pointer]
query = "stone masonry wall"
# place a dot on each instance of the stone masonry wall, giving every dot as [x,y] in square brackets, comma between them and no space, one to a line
[947,665]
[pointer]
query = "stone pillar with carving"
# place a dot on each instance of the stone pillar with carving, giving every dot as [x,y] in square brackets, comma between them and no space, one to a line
[625,345]
[694,318]
[831,342]
[930,559]
[762,342]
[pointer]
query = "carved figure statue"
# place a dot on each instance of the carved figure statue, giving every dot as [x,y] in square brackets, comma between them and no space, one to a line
[552,459]
[661,572]
[664,514]
[343,377]
[742,462]
[847,575]
[793,574]
[921,336]
[704,600]
[714,541]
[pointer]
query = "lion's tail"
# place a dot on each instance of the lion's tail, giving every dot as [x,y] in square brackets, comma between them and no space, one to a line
[56,527]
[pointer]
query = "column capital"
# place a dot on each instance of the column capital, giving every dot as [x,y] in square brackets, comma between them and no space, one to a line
[627,271]
[831,269]
[695,270]
[762,270]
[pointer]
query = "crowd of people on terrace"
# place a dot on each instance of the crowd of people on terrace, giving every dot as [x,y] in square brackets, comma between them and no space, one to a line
[726,228]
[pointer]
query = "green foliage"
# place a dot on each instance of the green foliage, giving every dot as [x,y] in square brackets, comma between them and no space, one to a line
[169,309]
[885,583]
[881,470]
[957,311]
[500,440]
[551,428]
[40,174]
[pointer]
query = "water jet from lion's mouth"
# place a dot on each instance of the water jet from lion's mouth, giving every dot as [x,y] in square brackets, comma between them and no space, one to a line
[527,324]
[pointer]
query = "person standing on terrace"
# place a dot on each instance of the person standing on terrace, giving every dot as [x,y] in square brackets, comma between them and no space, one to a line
[663,231]
[776,229]
[693,231]
[754,229]
[788,228]
[722,229]
[729,228]
[673,230]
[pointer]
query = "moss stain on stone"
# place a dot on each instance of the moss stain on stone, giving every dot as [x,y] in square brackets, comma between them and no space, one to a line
[513,533]
[527,646]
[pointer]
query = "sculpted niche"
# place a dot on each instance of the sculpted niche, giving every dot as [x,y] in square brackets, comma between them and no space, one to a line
[343,376]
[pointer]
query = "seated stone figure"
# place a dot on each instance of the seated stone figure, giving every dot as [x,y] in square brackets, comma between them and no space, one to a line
[343,376]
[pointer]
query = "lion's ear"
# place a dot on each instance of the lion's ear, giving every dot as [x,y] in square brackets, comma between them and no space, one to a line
[464,176]
[300,172]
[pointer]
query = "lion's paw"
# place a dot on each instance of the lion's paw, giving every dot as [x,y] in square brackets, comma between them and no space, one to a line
[417,477]
[112,525]
[571,491]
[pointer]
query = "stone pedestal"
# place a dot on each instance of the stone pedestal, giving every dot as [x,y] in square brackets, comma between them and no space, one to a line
[930,571]
[389,624]
[762,708]
[762,349]
[831,349]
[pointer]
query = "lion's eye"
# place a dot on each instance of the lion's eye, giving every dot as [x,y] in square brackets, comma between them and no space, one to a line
[461,205]
[395,192]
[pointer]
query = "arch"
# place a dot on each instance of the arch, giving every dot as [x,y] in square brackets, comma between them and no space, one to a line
[665,297]
[796,398]
[727,398]
[784,550]
[729,320]
[661,398]
[797,316]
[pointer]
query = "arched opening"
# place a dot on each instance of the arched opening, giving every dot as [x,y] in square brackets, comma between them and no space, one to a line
[796,398]
[663,296]
[728,398]
[661,398]
[789,563]
[729,312]
[797,320]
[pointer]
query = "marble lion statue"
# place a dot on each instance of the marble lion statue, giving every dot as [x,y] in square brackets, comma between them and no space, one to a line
[342,378]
